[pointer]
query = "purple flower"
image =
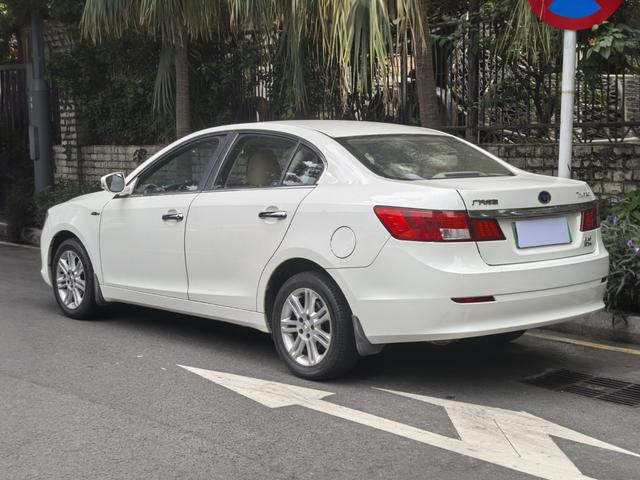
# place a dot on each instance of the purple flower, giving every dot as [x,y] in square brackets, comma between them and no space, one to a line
[637,250]
[612,219]
[630,243]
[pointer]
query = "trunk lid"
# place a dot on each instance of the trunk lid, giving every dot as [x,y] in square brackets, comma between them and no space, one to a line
[515,200]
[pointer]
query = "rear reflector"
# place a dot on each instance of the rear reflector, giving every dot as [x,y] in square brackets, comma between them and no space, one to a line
[487,298]
[590,218]
[437,226]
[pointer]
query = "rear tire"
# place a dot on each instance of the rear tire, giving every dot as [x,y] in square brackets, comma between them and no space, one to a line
[73,280]
[313,327]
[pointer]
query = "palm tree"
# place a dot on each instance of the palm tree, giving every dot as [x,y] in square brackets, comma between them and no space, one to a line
[425,76]
[360,37]
[174,23]
[356,36]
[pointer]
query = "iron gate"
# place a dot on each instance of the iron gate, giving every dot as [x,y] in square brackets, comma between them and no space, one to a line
[14,122]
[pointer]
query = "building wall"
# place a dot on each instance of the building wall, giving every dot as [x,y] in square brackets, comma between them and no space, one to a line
[610,169]
[88,163]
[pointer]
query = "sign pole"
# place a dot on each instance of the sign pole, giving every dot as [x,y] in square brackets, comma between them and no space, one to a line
[566,106]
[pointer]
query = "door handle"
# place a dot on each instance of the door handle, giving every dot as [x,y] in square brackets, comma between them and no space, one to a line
[173,216]
[273,214]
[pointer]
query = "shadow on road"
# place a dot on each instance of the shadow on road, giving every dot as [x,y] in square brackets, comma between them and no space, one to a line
[396,364]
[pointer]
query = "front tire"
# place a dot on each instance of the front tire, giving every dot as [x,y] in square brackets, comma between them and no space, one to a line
[312,327]
[73,280]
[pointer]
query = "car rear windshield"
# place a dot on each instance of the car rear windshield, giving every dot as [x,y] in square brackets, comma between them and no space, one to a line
[421,157]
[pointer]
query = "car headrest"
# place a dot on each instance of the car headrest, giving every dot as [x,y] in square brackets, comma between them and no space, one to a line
[263,169]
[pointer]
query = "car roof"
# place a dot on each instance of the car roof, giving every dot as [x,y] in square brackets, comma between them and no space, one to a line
[353,128]
[330,128]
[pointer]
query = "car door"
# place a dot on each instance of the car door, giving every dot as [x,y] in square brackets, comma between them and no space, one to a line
[235,227]
[142,235]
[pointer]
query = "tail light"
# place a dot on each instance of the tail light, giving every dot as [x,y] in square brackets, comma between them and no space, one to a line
[590,218]
[437,226]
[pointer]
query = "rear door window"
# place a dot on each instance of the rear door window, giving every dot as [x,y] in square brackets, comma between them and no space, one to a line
[256,161]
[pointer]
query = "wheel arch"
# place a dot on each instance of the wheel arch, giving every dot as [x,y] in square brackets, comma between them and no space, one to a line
[55,242]
[62,234]
[281,274]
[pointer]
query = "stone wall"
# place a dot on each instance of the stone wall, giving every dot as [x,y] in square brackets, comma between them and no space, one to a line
[88,163]
[610,169]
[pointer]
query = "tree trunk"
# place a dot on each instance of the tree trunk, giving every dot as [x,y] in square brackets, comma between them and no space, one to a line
[425,78]
[183,111]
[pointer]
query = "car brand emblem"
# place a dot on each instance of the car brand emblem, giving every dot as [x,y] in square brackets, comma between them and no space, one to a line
[544,197]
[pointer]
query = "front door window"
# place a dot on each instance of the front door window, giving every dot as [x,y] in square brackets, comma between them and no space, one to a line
[182,171]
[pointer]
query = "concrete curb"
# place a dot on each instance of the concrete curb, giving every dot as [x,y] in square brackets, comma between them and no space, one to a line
[615,327]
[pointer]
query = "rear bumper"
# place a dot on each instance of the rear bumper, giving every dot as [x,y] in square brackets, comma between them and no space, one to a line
[405,295]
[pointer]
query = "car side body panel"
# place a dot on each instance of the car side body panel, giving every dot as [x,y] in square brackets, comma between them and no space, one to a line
[80,217]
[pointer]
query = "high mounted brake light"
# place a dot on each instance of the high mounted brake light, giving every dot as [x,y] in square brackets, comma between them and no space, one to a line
[437,226]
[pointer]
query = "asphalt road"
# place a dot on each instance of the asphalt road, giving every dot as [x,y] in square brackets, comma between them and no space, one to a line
[107,399]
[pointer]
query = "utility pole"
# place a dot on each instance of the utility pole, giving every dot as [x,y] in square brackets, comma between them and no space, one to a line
[40,148]
[566,104]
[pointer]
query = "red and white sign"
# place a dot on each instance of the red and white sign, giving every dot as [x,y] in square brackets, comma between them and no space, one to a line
[574,14]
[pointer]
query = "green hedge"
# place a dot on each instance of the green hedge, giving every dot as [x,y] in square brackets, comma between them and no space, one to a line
[111,84]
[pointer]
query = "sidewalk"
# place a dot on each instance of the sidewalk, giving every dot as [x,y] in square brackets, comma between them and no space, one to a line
[604,325]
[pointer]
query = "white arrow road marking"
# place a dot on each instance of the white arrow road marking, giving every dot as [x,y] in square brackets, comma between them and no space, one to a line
[516,440]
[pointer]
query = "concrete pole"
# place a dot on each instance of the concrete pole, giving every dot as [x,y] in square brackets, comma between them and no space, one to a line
[40,148]
[566,106]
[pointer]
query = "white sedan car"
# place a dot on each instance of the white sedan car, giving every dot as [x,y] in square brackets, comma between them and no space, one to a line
[337,237]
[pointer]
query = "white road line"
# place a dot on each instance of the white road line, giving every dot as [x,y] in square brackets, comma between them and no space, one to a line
[11,244]
[584,343]
[515,440]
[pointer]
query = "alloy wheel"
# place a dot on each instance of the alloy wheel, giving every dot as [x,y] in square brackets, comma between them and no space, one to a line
[70,279]
[305,327]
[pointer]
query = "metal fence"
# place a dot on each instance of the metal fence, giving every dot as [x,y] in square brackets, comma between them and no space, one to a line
[481,96]
[519,100]
[13,122]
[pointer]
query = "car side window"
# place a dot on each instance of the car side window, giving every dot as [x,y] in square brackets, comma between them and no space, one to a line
[305,168]
[181,171]
[256,161]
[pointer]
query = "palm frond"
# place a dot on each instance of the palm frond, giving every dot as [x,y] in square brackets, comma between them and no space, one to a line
[524,32]
[101,18]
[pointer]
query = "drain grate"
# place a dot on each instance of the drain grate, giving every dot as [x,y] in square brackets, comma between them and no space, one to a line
[607,389]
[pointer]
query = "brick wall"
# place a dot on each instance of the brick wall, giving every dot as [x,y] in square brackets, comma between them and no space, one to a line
[610,169]
[88,163]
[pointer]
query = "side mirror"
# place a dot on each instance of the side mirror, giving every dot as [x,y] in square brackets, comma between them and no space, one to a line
[113,183]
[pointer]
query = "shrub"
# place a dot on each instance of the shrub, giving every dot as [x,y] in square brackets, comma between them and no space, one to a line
[17,172]
[59,193]
[621,235]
